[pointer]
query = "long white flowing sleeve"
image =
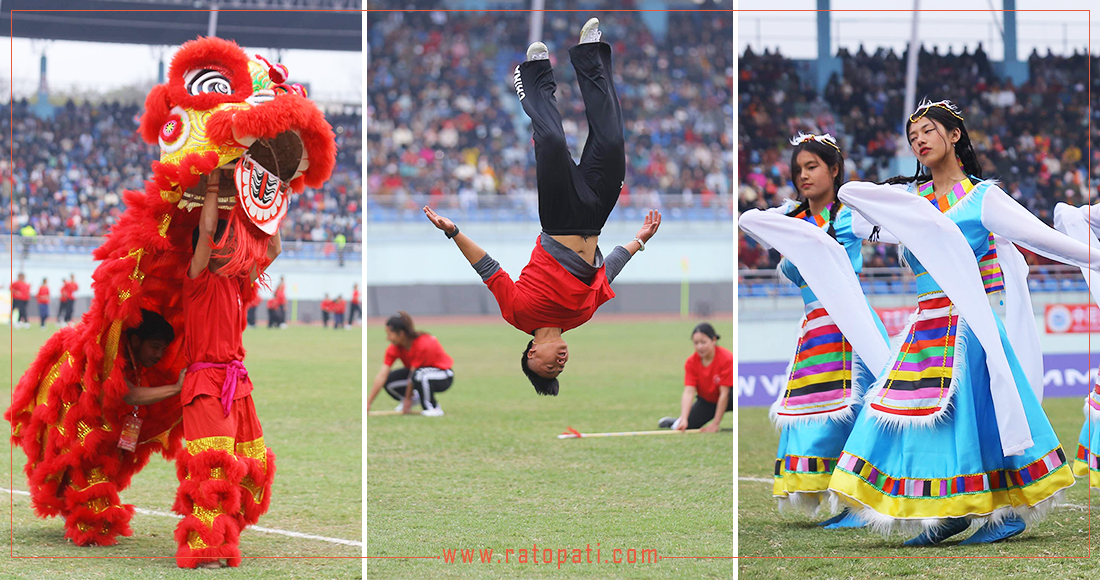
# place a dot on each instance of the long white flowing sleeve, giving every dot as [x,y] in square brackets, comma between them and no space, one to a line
[1020,325]
[939,245]
[1092,214]
[1002,215]
[1074,222]
[825,266]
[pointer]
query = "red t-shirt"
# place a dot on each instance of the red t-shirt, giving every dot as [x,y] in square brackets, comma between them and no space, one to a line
[67,290]
[425,351]
[355,297]
[214,322]
[707,379]
[280,295]
[20,290]
[44,294]
[326,306]
[547,295]
[339,306]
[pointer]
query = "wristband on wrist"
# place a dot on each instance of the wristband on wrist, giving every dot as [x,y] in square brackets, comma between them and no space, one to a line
[451,235]
[641,244]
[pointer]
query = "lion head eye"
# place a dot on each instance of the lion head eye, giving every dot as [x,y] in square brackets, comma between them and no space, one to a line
[204,81]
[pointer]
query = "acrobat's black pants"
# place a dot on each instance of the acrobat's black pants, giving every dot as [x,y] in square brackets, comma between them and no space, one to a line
[426,380]
[703,411]
[575,199]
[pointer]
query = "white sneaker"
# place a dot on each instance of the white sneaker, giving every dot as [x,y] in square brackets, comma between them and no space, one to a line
[436,412]
[590,32]
[537,51]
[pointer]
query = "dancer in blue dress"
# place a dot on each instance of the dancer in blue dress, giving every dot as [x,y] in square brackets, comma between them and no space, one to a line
[953,432]
[827,377]
[1075,222]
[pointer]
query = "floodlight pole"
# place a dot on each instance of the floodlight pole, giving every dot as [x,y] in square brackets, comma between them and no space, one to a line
[534,32]
[911,66]
[212,23]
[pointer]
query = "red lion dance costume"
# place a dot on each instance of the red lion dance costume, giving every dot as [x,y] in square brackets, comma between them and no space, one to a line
[218,108]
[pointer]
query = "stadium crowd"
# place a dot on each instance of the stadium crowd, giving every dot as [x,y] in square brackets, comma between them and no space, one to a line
[70,170]
[443,118]
[1031,137]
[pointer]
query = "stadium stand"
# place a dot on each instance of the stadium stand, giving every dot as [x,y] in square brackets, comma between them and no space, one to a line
[1031,137]
[70,171]
[444,125]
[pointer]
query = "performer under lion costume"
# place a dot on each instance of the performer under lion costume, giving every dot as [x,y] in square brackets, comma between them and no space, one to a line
[219,110]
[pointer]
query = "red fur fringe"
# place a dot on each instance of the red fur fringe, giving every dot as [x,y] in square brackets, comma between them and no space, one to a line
[250,510]
[223,537]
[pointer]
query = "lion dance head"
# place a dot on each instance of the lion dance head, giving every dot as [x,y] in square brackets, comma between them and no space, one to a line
[221,116]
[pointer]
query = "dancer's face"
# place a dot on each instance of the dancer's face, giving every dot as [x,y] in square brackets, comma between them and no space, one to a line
[148,352]
[704,345]
[814,177]
[931,142]
[548,359]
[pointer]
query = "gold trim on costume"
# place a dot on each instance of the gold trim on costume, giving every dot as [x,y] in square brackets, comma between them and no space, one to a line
[207,443]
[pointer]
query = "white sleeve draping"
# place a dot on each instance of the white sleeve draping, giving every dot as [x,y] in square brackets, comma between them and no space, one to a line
[826,267]
[941,248]
[1004,216]
[1020,325]
[1092,214]
[1073,221]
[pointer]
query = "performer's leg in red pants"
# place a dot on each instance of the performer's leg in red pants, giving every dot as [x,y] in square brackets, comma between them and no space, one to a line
[225,476]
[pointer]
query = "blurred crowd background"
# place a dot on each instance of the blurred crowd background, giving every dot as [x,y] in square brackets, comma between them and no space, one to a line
[1033,138]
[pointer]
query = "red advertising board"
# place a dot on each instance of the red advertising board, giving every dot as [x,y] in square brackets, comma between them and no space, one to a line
[1065,318]
[895,319]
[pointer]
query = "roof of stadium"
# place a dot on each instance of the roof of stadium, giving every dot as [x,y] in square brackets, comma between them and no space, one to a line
[281,24]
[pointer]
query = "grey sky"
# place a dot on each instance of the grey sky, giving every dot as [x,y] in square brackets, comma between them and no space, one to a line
[795,33]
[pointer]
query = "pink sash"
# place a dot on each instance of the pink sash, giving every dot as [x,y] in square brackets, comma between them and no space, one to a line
[234,371]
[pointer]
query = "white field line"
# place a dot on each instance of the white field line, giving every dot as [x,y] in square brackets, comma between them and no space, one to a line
[256,528]
[1061,505]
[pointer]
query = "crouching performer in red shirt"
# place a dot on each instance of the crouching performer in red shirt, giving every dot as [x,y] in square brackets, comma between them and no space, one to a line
[567,278]
[225,471]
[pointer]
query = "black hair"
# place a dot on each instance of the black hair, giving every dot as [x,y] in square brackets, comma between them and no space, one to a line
[218,233]
[402,322]
[153,327]
[543,385]
[833,159]
[964,149]
[707,329]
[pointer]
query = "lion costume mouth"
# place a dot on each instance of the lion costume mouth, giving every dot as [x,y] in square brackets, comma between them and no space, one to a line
[260,182]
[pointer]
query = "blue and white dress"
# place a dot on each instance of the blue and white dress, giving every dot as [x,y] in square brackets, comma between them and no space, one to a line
[938,437]
[826,377]
[1074,222]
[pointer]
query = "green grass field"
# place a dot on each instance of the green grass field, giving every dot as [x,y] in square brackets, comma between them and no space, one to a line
[308,397]
[492,474]
[763,531]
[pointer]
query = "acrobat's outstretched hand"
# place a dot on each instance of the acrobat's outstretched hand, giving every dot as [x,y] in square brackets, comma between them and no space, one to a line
[439,221]
[470,250]
[650,225]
